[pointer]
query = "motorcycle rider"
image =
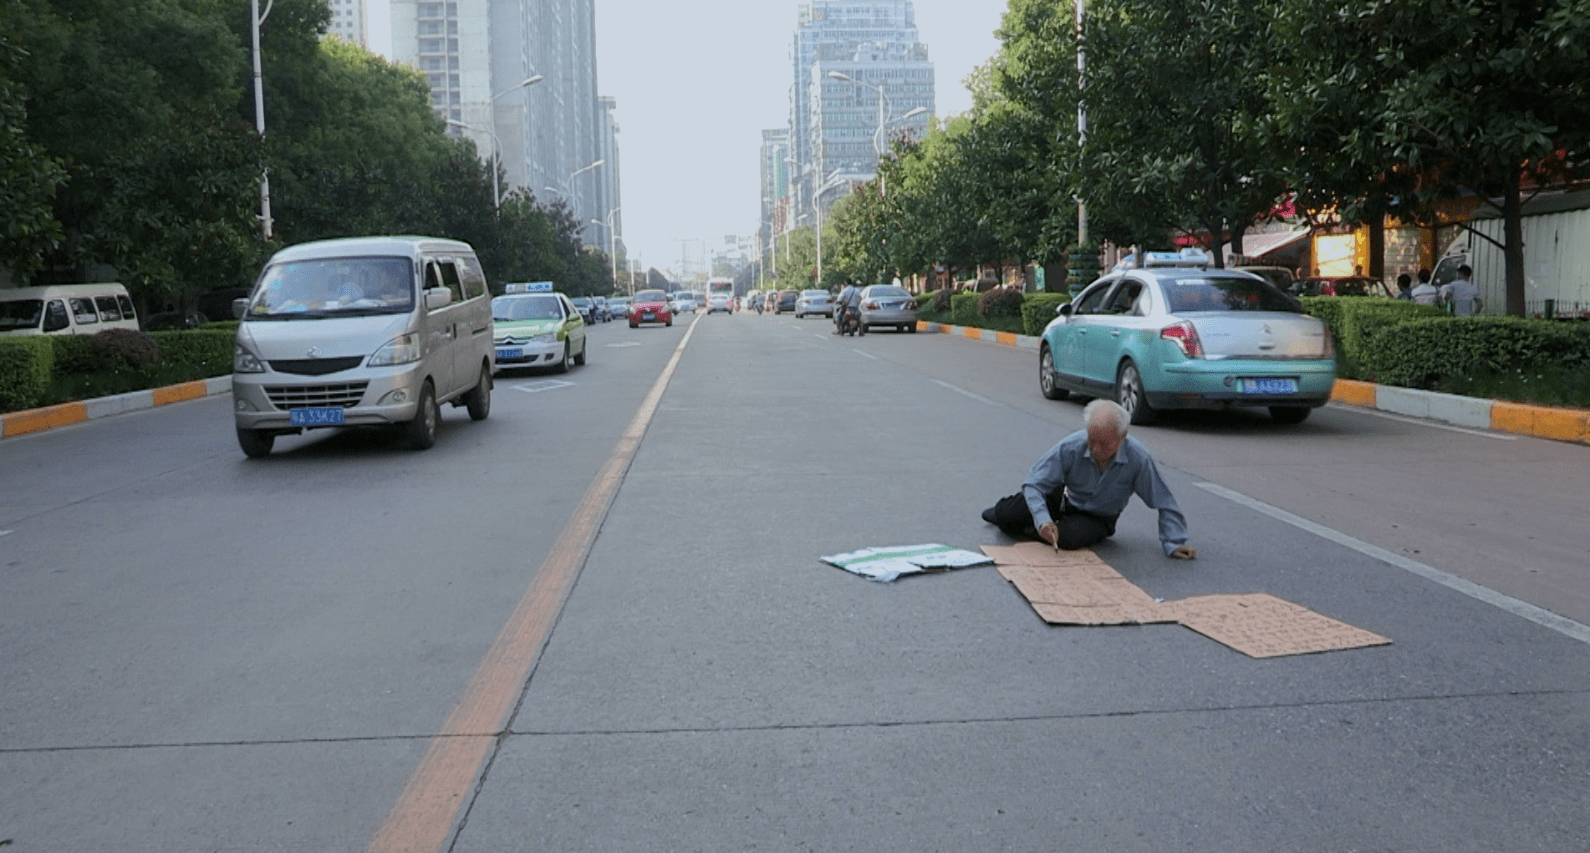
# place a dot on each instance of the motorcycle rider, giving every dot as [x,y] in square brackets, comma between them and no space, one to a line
[847,309]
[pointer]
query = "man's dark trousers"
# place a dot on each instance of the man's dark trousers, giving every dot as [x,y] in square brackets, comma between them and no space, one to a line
[1078,529]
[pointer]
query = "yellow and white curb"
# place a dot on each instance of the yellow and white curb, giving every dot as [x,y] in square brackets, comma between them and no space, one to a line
[65,414]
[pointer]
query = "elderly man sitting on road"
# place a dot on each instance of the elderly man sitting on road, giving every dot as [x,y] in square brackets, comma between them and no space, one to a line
[1077,490]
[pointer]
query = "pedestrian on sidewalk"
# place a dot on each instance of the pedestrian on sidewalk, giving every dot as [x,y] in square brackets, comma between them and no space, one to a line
[1426,293]
[1076,491]
[1460,296]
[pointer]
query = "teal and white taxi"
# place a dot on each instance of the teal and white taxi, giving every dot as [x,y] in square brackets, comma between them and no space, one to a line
[537,327]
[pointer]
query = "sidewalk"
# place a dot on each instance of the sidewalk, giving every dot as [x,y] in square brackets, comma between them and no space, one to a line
[1517,418]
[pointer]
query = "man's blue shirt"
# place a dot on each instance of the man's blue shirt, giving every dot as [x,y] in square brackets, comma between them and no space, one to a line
[1070,466]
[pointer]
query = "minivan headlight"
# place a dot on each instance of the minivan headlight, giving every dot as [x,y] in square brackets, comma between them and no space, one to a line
[244,361]
[403,349]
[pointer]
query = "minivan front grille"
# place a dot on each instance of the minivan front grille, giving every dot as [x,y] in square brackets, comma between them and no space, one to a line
[344,394]
[315,366]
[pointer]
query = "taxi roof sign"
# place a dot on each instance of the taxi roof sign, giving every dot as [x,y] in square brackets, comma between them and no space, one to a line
[1187,257]
[529,287]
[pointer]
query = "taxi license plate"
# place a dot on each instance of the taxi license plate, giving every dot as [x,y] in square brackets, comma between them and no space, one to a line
[316,416]
[509,354]
[1269,386]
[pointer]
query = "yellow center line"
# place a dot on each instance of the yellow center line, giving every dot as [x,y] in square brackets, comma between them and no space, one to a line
[429,806]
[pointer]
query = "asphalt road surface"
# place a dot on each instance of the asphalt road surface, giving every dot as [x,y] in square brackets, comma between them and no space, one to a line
[598,621]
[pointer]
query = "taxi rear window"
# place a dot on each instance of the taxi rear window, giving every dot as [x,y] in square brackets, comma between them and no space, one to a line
[1199,293]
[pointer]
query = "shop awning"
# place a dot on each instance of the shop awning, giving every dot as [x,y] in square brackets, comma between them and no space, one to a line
[1259,245]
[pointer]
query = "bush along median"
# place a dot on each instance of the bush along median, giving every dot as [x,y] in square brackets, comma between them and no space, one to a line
[44,370]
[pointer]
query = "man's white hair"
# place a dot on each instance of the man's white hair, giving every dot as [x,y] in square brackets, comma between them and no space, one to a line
[1102,412]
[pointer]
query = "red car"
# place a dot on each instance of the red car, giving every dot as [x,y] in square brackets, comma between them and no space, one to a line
[650,306]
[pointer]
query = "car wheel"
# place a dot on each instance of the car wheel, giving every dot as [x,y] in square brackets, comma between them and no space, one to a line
[255,442]
[634,325]
[1129,393]
[478,400]
[1048,382]
[1290,414]
[563,364]
[670,322]
[584,345]
[421,432]
[911,328]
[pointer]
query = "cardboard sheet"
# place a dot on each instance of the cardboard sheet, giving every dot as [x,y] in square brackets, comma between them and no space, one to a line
[1264,626]
[1078,588]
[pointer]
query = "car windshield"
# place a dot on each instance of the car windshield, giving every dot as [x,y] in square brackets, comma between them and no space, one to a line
[581,301]
[21,314]
[331,287]
[1203,293]
[507,308]
[651,296]
[883,291]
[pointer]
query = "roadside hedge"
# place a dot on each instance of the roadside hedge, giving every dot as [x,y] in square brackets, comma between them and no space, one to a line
[1422,352]
[1038,309]
[26,363]
[42,370]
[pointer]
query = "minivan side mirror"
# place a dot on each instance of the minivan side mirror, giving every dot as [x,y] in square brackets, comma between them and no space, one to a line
[438,297]
[1064,310]
[239,308]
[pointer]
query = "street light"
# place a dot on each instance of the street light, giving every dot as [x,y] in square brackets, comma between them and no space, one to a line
[883,109]
[259,115]
[496,146]
[612,241]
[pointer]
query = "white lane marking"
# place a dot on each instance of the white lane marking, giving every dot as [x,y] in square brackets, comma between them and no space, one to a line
[863,352]
[1347,407]
[624,344]
[6,532]
[965,393]
[544,385]
[1540,616]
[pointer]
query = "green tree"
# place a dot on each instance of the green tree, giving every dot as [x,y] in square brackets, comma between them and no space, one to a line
[29,177]
[1441,99]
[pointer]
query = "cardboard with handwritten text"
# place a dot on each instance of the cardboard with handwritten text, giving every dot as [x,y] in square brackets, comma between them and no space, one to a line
[1078,588]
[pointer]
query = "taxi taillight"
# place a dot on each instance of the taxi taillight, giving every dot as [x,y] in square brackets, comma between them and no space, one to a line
[1185,337]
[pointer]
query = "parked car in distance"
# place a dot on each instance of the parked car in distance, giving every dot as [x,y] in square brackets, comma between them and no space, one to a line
[1174,337]
[537,330]
[720,302]
[887,305]
[814,302]
[1348,285]
[786,301]
[650,306]
[586,307]
[618,308]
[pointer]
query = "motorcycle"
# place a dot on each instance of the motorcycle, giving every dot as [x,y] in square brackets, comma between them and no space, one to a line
[847,319]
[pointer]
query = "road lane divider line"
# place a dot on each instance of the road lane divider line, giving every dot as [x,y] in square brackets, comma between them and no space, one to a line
[965,393]
[1539,615]
[443,786]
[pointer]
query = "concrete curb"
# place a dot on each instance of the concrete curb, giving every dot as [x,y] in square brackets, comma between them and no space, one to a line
[1517,418]
[65,414]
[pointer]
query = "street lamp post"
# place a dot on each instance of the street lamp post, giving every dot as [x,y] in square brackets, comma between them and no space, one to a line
[259,115]
[496,143]
[496,146]
[612,241]
[567,191]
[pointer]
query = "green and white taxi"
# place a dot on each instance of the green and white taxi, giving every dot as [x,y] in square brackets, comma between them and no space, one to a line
[537,327]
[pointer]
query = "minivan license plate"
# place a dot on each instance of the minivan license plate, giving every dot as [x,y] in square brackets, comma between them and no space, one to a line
[1269,386]
[316,416]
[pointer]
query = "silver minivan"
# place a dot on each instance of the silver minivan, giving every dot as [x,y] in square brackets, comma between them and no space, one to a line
[363,331]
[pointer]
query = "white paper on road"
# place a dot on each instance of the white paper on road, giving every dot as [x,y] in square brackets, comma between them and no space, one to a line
[886,564]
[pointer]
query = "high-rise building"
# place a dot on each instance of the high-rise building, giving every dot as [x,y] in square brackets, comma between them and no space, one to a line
[480,58]
[775,173]
[859,71]
[349,21]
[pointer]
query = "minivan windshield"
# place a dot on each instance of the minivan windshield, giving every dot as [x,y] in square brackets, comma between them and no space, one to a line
[333,287]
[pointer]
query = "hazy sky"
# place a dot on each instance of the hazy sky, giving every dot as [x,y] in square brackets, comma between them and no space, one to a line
[697,81]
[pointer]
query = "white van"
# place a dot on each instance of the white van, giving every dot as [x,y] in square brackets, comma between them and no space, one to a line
[66,309]
[362,331]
